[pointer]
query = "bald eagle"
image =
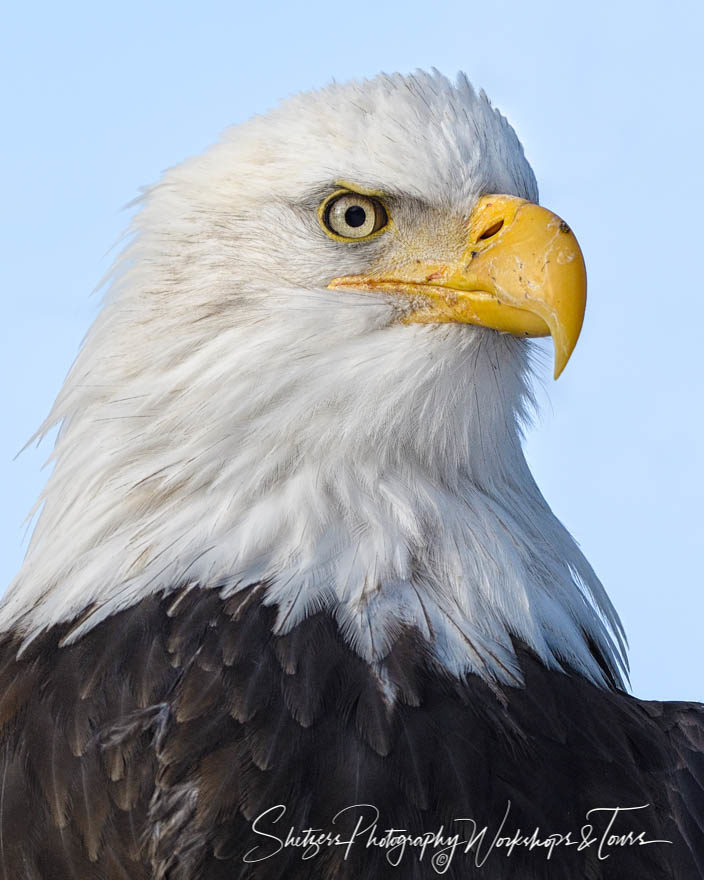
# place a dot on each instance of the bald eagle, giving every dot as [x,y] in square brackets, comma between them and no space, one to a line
[294,606]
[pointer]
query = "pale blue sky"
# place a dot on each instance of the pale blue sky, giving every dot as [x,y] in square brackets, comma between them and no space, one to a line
[607,98]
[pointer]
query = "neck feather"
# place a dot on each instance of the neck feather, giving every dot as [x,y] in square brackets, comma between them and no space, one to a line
[375,471]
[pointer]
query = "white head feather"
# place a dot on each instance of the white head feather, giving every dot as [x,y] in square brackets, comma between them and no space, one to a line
[229,420]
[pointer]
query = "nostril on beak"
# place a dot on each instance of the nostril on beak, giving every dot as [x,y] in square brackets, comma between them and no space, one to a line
[491,230]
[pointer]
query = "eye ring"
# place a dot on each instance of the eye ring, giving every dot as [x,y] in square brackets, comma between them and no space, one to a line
[349,216]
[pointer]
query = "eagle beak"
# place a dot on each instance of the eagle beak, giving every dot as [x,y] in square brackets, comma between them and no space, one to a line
[521,272]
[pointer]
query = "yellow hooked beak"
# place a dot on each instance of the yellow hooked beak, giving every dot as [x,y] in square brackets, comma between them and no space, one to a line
[522,272]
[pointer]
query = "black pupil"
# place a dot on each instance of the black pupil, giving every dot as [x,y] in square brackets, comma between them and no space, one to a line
[355,216]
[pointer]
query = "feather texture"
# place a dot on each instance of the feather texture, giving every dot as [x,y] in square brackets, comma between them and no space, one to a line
[174,789]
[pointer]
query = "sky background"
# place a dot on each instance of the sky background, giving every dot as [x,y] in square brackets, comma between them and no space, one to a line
[607,98]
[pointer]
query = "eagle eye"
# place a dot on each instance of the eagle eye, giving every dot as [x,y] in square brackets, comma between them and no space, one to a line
[348,216]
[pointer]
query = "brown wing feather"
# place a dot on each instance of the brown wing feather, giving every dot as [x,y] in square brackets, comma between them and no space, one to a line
[147,749]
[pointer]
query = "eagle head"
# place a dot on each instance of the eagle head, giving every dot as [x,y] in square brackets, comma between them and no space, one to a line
[311,373]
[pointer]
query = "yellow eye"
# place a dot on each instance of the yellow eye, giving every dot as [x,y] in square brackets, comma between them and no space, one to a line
[348,216]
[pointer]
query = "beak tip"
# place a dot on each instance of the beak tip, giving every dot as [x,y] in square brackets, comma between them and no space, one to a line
[565,336]
[562,358]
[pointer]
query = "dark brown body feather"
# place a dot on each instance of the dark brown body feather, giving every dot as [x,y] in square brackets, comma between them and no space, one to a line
[148,748]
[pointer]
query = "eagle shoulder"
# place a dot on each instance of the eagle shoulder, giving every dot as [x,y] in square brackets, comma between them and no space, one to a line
[167,740]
